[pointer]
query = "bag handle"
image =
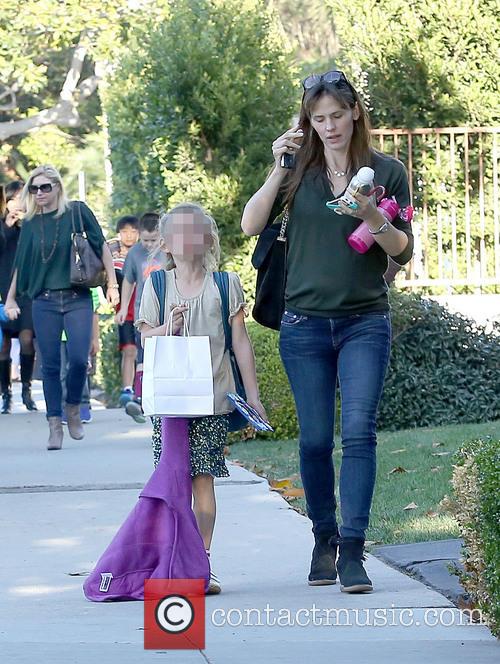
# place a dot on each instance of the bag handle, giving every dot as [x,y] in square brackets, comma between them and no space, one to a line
[170,324]
[82,227]
[222,281]
[284,223]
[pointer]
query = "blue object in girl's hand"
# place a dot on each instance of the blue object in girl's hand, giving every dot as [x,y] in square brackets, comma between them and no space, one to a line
[249,412]
[3,315]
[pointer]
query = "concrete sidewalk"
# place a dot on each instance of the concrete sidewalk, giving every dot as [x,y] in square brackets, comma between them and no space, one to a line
[59,510]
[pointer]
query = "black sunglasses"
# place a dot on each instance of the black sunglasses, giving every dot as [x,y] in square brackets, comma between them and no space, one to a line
[333,77]
[45,188]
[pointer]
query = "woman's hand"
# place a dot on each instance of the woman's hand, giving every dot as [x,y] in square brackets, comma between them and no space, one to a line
[366,209]
[288,142]
[11,309]
[177,318]
[113,297]
[13,217]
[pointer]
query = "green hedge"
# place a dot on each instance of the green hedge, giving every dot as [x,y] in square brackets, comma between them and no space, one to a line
[443,370]
[476,484]
[108,374]
[443,367]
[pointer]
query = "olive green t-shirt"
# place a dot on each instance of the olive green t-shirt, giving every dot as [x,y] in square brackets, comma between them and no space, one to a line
[50,236]
[325,276]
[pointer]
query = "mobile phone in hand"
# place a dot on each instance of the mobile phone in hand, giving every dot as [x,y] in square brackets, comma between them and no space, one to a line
[287,160]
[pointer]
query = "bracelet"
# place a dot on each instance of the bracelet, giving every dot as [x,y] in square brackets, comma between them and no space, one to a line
[383,229]
[113,286]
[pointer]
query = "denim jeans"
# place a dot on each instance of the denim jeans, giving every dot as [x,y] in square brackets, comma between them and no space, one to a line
[316,352]
[53,312]
[64,374]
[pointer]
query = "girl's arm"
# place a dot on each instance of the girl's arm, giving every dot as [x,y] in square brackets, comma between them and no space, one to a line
[243,352]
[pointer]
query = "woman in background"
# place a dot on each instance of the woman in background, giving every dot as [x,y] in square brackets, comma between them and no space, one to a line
[22,327]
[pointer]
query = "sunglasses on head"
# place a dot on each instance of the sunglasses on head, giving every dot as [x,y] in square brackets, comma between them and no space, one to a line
[45,188]
[333,77]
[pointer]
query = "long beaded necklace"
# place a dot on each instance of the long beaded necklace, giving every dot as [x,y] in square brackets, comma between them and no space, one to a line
[46,259]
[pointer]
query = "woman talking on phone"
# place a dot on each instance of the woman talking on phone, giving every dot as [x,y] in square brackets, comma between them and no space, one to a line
[336,324]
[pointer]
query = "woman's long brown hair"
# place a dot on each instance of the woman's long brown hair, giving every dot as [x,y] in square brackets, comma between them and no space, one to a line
[311,155]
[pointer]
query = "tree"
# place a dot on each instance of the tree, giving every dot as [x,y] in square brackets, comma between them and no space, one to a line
[193,107]
[48,56]
[427,63]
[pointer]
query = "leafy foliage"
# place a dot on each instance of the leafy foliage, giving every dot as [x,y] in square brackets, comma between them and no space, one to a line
[443,367]
[422,64]
[476,484]
[193,107]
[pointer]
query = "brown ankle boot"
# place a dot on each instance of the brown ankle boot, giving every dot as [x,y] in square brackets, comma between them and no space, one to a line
[56,433]
[75,426]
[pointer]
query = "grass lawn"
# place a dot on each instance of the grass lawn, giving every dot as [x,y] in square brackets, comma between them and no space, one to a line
[425,455]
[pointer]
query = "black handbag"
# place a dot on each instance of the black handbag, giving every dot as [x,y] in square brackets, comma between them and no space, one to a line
[86,269]
[269,259]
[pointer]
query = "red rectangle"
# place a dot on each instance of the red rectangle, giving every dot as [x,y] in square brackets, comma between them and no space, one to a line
[174,614]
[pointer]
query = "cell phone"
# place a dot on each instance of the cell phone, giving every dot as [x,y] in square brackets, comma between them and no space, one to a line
[287,160]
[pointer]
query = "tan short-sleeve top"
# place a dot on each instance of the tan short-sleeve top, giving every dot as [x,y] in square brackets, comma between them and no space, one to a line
[204,317]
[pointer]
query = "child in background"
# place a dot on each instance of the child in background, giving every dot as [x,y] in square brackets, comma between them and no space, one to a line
[127,228]
[189,240]
[138,265]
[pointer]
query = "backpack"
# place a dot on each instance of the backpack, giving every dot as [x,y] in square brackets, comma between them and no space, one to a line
[236,420]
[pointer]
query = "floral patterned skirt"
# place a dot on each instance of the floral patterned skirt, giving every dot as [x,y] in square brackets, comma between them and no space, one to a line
[207,438]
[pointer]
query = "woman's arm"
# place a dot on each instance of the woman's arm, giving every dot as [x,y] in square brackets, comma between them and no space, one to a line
[258,208]
[393,241]
[245,358]
[112,292]
[12,311]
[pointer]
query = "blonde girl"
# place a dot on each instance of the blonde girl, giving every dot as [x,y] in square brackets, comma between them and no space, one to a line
[189,238]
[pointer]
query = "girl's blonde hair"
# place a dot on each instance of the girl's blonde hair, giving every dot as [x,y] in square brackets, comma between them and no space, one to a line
[212,255]
[52,174]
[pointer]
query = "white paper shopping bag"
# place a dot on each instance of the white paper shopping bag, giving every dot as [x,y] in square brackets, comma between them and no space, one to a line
[177,378]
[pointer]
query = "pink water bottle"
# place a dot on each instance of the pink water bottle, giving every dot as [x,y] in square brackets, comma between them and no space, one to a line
[361,239]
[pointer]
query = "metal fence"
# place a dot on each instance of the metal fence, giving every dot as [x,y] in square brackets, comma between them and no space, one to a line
[453,178]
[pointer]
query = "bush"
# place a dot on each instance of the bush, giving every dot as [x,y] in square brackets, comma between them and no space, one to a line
[443,370]
[108,374]
[476,484]
[274,388]
[443,367]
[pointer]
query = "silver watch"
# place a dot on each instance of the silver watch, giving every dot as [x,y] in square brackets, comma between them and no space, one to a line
[383,229]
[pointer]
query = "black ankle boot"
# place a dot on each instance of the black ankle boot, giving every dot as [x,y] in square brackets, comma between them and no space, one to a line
[352,574]
[5,386]
[27,398]
[323,571]
[27,362]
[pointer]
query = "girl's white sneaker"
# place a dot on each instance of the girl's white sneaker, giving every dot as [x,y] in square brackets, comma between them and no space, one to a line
[214,586]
